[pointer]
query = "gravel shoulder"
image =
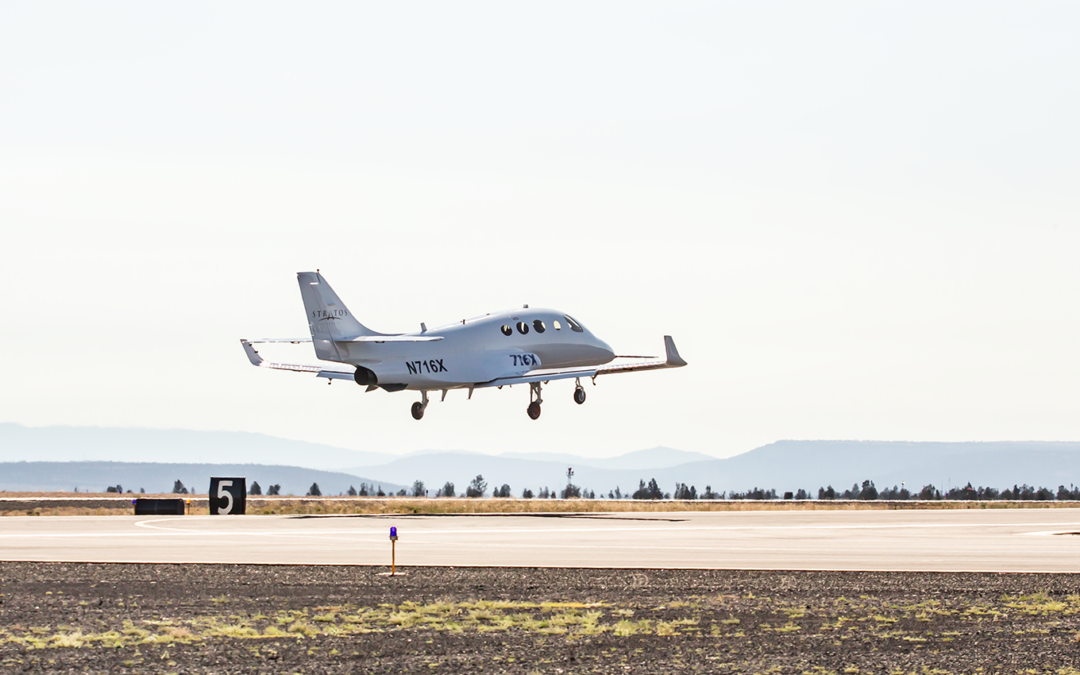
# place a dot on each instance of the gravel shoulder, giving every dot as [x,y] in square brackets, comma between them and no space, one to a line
[61,617]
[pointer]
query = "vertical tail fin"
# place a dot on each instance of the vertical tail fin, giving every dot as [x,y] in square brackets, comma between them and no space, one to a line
[328,317]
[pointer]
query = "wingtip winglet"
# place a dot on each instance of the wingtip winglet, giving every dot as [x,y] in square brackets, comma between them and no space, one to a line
[252,355]
[673,358]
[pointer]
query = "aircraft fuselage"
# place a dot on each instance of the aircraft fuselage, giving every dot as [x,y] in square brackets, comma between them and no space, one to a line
[475,350]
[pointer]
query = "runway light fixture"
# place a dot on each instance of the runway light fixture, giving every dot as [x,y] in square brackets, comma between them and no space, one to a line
[393,551]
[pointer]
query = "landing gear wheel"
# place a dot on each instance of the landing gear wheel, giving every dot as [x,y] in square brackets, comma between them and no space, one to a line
[417,410]
[579,396]
[534,410]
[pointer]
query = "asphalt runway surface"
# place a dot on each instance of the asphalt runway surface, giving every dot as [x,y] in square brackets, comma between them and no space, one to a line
[1013,540]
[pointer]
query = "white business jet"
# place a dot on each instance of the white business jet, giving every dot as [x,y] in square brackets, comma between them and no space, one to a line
[526,346]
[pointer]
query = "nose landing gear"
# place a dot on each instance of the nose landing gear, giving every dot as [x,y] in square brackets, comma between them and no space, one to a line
[535,400]
[579,392]
[419,407]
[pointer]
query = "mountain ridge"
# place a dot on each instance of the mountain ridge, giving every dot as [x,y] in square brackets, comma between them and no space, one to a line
[785,465]
[157,477]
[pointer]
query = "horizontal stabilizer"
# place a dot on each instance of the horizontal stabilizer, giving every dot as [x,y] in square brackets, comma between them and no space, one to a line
[318,371]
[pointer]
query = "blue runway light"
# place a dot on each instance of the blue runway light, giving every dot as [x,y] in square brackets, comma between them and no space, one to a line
[393,551]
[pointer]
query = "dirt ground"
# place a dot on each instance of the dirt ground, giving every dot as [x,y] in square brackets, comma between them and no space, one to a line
[61,617]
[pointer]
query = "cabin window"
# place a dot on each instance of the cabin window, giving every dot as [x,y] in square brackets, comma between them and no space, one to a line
[574,325]
[557,325]
[507,331]
[523,327]
[538,326]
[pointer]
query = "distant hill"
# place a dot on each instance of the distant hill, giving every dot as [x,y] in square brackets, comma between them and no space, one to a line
[812,464]
[784,465]
[653,458]
[96,476]
[105,444]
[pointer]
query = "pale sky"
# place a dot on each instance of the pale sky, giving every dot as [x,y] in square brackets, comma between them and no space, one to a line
[858,220]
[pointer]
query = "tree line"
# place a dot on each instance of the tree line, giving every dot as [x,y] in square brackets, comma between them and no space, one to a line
[478,487]
[1023,492]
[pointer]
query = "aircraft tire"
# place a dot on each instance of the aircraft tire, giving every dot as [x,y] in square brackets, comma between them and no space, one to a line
[579,396]
[534,410]
[417,410]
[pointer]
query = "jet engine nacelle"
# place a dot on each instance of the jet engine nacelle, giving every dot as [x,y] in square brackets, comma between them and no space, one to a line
[365,377]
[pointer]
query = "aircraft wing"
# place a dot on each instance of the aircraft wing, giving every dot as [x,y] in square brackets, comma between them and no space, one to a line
[363,338]
[671,360]
[318,371]
[395,338]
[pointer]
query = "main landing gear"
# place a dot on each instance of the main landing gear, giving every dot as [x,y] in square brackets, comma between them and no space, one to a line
[579,392]
[534,397]
[419,407]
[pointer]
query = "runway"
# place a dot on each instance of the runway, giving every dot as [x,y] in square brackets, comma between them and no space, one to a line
[1013,540]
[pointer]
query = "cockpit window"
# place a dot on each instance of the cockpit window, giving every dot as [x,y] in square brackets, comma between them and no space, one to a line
[523,327]
[574,325]
[556,324]
[538,325]
[507,331]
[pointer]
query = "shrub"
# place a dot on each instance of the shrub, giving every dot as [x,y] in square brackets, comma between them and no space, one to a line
[709,494]
[895,493]
[1071,494]
[273,490]
[314,490]
[684,492]
[929,492]
[756,493]
[418,489]
[651,491]
[255,489]
[966,493]
[526,494]
[868,490]
[477,487]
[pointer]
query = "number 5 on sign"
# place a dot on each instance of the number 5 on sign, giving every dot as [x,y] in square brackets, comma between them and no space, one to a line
[228,496]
